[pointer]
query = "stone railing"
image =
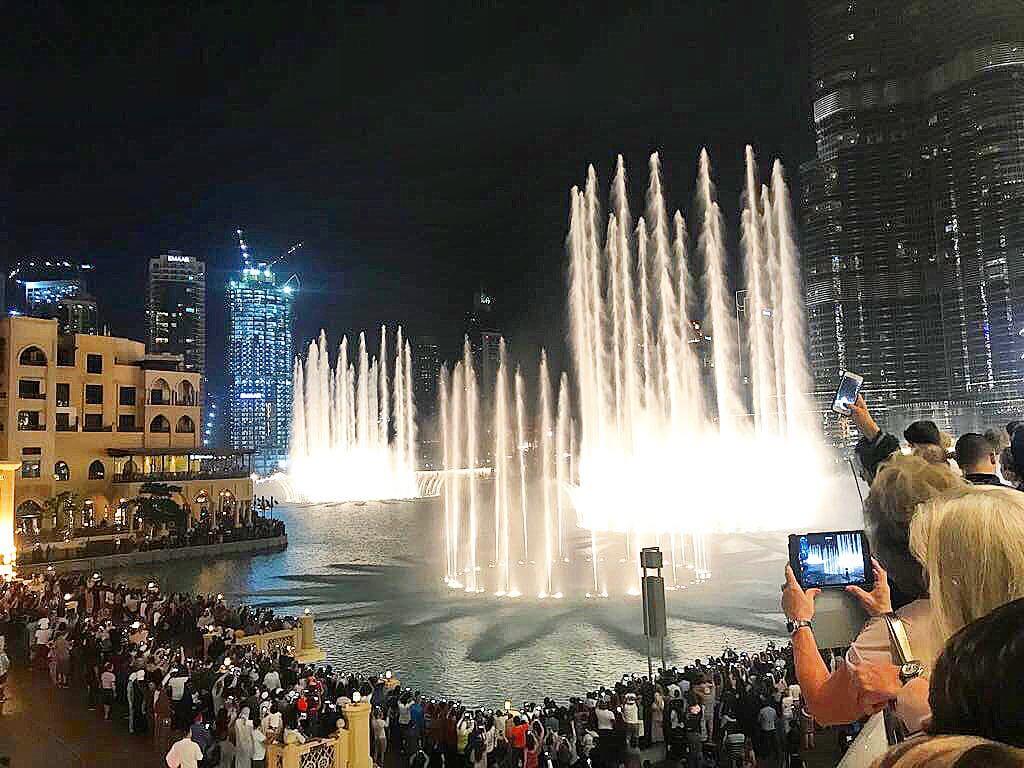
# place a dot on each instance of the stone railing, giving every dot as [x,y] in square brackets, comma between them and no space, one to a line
[301,638]
[347,748]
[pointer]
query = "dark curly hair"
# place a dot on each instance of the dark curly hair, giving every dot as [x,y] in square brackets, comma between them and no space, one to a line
[977,681]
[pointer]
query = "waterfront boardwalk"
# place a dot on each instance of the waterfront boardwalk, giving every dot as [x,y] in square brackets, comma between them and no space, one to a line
[47,727]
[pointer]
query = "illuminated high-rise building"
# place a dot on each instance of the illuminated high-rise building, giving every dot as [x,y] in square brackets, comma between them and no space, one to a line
[913,233]
[55,289]
[260,354]
[176,309]
[483,330]
[426,373]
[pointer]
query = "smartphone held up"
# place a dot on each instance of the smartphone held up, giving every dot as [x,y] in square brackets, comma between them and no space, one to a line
[847,391]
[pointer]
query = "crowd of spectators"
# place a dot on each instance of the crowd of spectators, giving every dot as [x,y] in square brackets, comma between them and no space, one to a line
[104,539]
[143,657]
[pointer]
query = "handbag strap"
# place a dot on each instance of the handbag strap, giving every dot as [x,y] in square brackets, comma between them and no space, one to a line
[898,639]
[896,730]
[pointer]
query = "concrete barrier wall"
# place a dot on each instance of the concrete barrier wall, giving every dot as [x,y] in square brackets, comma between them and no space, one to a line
[107,562]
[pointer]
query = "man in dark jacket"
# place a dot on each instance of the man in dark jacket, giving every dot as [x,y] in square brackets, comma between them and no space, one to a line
[977,459]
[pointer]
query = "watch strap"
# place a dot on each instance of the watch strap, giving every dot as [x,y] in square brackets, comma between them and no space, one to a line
[794,626]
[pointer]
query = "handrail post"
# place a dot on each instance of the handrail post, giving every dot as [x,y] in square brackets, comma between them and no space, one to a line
[357,715]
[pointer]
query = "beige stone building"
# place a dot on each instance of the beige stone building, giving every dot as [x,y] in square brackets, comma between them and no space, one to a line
[97,416]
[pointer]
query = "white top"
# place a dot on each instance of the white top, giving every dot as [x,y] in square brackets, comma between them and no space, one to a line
[272,680]
[259,744]
[605,719]
[177,687]
[873,645]
[184,754]
[766,718]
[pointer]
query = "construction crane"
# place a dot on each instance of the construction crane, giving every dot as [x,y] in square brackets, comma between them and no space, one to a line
[245,250]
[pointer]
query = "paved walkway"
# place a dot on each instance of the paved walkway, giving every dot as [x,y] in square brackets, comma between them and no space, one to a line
[47,727]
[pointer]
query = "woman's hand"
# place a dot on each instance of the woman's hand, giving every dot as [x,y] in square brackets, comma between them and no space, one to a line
[797,604]
[875,685]
[876,602]
[863,419]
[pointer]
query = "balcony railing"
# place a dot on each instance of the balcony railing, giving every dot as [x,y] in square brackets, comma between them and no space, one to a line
[100,428]
[162,477]
[31,427]
[67,427]
[174,399]
[32,395]
[133,428]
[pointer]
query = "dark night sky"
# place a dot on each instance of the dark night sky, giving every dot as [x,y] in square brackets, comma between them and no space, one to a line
[418,154]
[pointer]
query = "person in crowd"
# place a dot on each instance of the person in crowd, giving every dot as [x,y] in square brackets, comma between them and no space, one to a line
[5,668]
[971,542]
[184,753]
[243,739]
[978,678]
[977,459]
[1008,468]
[951,752]
[927,441]
[902,483]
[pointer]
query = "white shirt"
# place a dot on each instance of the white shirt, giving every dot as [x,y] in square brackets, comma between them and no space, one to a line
[259,748]
[605,719]
[177,687]
[184,754]
[272,680]
[766,718]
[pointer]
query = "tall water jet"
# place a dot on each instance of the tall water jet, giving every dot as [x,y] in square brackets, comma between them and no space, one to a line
[343,449]
[719,302]
[546,446]
[521,456]
[561,458]
[674,385]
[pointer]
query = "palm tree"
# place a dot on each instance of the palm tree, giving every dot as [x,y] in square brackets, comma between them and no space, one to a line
[63,509]
[155,505]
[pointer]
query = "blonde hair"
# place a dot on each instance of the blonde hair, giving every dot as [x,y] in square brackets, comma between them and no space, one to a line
[971,541]
[945,751]
[903,483]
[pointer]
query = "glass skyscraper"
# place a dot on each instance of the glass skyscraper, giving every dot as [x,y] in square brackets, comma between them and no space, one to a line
[176,309]
[260,353]
[913,207]
[56,290]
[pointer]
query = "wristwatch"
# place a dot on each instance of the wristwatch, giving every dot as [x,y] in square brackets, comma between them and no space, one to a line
[910,671]
[793,626]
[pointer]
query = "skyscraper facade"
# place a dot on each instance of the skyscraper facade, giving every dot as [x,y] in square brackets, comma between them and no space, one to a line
[260,353]
[913,207]
[483,330]
[55,290]
[426,372]
[176,308]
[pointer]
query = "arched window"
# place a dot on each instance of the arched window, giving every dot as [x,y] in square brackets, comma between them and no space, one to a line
[32,356]
[96,470]
[160,424]
[29,517]
[186,393]
[61,471]
[185,424]
[160,392]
